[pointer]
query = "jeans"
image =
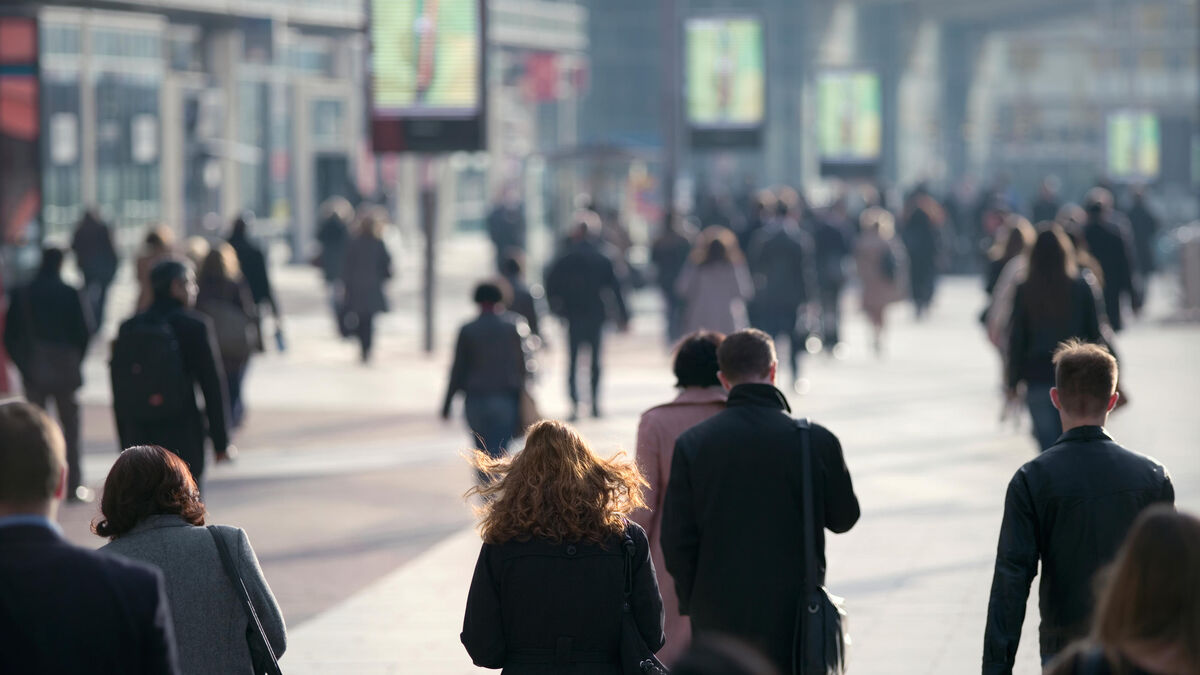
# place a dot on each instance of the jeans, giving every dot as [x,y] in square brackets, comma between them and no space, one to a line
[66,406]
[97,296]
[578,336]
[493,420]
[235,374]
[366,334]
[831,316]
[1047,426]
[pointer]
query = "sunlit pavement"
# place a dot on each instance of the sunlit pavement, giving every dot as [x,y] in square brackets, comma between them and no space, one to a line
[350,486]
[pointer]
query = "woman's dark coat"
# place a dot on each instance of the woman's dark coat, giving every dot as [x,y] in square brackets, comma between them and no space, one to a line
[368,267]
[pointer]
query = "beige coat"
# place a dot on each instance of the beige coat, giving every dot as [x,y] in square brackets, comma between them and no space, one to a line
[878,291]
[657,431]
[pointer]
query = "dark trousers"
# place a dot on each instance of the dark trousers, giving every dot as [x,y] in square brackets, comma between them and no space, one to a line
[66,406]
[831,316]
[781,321]
[493,420]
[97,297]
[1047,426]
[578,335]
[366,334]
[235,374]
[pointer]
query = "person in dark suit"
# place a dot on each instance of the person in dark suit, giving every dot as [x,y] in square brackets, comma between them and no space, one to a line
[47,330]
[175,290]
[65,609]
[1111,243]
[581,285]
[253,262]
[512,268]
[1067,510]
[738,563]
[97,260]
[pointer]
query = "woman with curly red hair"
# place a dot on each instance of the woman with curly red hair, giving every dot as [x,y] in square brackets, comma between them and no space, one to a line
[549,585]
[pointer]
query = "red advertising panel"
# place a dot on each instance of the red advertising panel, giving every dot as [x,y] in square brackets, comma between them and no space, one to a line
[20,170]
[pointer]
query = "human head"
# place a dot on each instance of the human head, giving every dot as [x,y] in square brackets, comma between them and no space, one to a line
[173,279]
[696,360]
[1050,186]
[716,244]
[1147,598]
[764,203]
[52,262]
[745,357]
[241,226]
[1085,381]
[1017,238]
[513,264]
[1098,201]
[877,220]
[33,461]
[1052,254]
[586,224]
[147,480]
[488,294]
[159,238]
[337,207]
[556,489]
[1070,215]
[221,263]
[788,204]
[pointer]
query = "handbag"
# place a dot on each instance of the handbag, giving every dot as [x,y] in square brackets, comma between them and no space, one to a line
[636,657]
[261,654]
[821,637]
[53,367]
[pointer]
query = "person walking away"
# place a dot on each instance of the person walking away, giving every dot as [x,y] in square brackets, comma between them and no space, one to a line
[1145,224]
[47,330]
[67,609]
[738,563]
[1109,240]
[715,284]
[762,212]
[225,298]
[506,225]
[700,397]
[489,366]
[159,358]
[583,288]
[512,268]
[368,268]
[1067,510]
[669,254]
[784,268]
[1147,619]
[882,267]
[1052,305]
[253,263]
[922,235]
[151,513]
[97,260]
[1008,263]
[559,560]
[158,246]
[832,239]
[1047,204]
[334,236]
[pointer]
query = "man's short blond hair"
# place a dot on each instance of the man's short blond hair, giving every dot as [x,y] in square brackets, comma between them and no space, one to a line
[32,454]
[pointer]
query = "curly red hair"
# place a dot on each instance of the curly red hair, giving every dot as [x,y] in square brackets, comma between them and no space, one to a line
[556,489]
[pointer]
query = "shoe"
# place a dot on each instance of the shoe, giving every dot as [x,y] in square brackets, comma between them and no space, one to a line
[81,495]
[596,412]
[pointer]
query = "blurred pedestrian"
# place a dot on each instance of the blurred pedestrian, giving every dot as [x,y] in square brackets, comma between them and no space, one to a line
[583,288]
[715,284]
[1068,511]
[196,249]
[367,269]
[506,224]
[1046,205]
[253,262]
[763,210]
[832,237]
[700,397]
[159,245]
[785,279]
[225,298]
[560,561]
[882,268]
[1145,224]
[669,254]
[1147,619]
[97,259]
[151,513]
[334,236]
[1008,263]
[489,367]
[67,609]
[1052,305]
[922,235]
[733,522]
[159,358]
[1109,240]
[522,302]
[47,330]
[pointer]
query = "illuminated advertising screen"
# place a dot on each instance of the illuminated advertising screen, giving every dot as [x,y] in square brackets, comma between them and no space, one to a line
[1134,145]
[426,69]
[849,119]
[726,79]
[20,129]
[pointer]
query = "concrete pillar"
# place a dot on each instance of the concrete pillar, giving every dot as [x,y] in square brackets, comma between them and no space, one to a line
[959,56]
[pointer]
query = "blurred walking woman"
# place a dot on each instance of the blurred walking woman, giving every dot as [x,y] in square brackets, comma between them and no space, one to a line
[224,296]
[152,512]
[368,267]
[1053,304]
[547,593]
[882,268]
[1147,619]
[715,285]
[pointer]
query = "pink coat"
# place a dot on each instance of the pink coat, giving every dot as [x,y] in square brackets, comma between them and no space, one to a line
[657,431]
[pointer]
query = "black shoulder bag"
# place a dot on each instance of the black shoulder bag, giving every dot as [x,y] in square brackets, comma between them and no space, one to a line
[821,639]
[636,657]
[261,654]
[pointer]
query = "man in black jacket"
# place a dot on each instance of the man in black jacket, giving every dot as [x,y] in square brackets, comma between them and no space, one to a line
[1070,509]
[581,285]
[65,609]
[733,516]
[97,260]
[174,287]
[1110,242]
[47,332]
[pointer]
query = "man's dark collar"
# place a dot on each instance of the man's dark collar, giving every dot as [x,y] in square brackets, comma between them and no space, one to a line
[1088,432]
[754,394]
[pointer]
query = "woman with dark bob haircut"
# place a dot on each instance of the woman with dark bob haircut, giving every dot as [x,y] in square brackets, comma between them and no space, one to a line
[548,590]
[700,397]
[151,510]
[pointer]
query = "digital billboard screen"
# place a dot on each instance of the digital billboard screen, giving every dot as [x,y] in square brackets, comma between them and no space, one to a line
[1134,145]
[726,79]
[426,69]
[849,121]
[20,129]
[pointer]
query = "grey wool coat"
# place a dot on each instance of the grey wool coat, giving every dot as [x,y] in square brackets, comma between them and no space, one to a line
[210,623]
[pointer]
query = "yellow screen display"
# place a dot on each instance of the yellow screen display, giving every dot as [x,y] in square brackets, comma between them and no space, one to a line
[1134,145]
[849,119]
[725,75]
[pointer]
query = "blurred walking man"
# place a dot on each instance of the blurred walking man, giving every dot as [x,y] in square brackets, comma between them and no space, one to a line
[47,332]
[1068,509]
[65,609]
[1110,242]
[582,287]
[733,516]
[97,260]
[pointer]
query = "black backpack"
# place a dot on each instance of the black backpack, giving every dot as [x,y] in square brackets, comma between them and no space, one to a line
[149,380]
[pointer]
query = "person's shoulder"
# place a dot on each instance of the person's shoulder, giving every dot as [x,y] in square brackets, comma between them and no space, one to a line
[119,571]
[636,533]
[822,435]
